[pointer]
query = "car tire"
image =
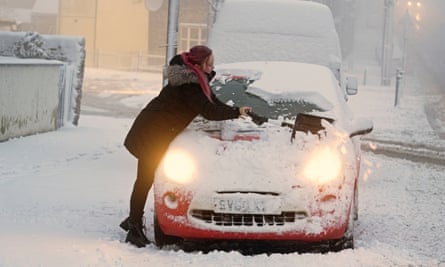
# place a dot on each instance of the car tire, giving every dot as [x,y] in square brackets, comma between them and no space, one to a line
[162,239]
[355,210]
[347,241]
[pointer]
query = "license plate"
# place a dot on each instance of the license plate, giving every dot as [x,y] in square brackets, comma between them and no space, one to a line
[247,204]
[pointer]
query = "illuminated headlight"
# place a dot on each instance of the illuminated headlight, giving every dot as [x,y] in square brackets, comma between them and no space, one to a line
[324,165]
[179,166]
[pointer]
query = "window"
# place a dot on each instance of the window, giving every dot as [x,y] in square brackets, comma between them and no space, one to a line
[191,34]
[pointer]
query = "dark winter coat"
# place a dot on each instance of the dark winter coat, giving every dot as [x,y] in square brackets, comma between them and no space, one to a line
[171,111]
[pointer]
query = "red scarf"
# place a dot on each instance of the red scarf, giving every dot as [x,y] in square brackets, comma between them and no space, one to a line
[201,76]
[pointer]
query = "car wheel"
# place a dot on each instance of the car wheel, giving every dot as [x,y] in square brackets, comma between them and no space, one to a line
[162,239]
[348,239]
[349,233]
[356,201]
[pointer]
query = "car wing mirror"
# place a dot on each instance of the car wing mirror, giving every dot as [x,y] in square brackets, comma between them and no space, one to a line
[351,85]
[360,126]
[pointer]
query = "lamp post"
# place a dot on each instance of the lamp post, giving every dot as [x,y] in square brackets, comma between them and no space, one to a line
[387,45]
[411,18]
[406,22]
[172,34]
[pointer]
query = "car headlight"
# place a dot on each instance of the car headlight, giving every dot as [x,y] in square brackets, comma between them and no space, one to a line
[323,166]
[179,166]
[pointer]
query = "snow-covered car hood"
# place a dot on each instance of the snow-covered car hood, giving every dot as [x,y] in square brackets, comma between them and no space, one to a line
[268,162]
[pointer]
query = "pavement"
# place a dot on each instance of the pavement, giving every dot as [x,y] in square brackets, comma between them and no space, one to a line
[413,129]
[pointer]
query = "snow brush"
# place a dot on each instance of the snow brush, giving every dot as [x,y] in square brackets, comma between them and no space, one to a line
[257,119]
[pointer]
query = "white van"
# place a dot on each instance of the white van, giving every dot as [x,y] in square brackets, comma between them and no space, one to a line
[278,30]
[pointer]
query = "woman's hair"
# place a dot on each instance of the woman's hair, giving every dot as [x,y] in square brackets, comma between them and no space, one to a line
[197,55]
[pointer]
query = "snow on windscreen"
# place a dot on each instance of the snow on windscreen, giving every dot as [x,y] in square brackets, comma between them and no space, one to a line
[307,97]
[285,81]
[230,74]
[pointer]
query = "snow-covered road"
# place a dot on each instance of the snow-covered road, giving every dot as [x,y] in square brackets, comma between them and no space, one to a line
[401,206]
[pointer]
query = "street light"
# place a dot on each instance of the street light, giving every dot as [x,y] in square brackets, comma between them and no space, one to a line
[414,10]
[418,4]
[410,18]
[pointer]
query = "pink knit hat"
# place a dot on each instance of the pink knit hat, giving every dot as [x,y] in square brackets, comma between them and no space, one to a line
[196,56]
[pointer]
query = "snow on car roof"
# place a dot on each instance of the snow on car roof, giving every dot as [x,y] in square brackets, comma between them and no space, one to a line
[264,14]
[303,31]
[288,80]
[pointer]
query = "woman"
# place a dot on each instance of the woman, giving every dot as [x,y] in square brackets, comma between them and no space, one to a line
[186,95]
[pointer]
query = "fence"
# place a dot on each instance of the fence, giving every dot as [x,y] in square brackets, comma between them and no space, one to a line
[127,61]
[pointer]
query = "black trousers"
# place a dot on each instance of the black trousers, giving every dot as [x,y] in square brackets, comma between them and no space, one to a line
[147,165]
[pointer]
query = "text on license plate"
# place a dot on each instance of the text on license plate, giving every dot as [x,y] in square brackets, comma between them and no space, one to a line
[247,205]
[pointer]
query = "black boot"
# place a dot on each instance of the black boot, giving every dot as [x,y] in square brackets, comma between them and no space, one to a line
[136,235]
[124,224]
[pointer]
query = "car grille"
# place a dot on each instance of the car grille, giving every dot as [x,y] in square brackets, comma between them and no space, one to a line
[227,219]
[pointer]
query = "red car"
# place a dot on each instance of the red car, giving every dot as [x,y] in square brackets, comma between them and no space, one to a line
[292,179]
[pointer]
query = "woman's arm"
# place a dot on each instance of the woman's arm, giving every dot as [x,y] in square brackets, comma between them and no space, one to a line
[199,103]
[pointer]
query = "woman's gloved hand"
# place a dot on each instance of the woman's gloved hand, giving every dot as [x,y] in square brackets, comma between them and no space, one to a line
[244,111]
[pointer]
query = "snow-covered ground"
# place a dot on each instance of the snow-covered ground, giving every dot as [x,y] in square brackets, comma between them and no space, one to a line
[63,193]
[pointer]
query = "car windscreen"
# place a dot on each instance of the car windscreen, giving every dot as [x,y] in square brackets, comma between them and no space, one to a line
[241,91]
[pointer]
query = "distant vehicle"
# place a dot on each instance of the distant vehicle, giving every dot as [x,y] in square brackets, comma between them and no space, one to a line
[279,30]
[291,180]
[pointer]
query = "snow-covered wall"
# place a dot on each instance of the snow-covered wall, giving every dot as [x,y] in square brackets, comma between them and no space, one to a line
[29,96]
[69,50]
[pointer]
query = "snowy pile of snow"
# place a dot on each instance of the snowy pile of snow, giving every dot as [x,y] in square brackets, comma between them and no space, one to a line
[67,49]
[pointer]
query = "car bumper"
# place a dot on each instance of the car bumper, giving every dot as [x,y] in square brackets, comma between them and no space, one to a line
[176,216]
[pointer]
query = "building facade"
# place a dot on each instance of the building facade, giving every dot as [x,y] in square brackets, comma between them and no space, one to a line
[195,19]
[123,34]
[116,31]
